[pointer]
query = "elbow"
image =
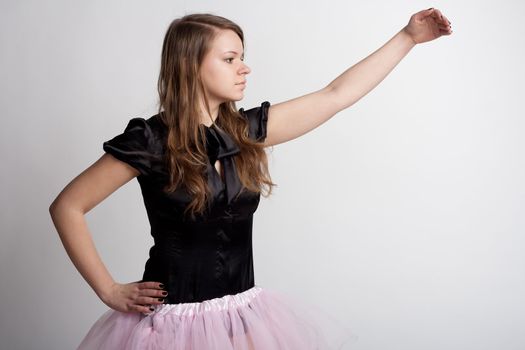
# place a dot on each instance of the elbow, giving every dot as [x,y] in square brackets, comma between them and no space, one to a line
[62,205]
[339,99]
[53,207]
[57,205]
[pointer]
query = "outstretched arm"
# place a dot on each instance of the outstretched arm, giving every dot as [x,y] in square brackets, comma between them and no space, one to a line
[291,119]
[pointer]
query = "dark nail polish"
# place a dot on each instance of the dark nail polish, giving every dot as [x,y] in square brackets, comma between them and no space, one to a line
[152,309]
[161,299]
[161,285]
[164,293]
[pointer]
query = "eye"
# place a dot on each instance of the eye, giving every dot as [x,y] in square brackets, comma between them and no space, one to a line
[232,58]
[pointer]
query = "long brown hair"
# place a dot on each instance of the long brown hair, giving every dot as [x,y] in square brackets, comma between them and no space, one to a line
[180,88]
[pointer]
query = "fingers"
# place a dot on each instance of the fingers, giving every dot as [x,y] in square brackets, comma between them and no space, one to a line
[421,15]
[145,309]
[150,294]
[445,29]
[151,289]
[145,300]
[136,305]
[144,304]
[442,22]
[438,16]
[150,285]
[446,32]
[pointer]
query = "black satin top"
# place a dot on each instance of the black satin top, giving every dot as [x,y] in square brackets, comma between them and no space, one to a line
[211,255]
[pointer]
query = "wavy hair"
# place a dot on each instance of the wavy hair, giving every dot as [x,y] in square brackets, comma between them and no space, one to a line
[187,41]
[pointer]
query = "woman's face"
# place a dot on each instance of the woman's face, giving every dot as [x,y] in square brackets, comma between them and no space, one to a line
[223,70]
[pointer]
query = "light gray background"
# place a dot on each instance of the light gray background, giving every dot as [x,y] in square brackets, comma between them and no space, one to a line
[402,215]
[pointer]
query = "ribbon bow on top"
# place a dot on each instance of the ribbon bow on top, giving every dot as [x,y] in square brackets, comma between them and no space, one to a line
[220,146]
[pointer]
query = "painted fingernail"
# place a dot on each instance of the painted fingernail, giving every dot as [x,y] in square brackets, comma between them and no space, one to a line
[161,285]
[164,293]
[161,299]
[151,309]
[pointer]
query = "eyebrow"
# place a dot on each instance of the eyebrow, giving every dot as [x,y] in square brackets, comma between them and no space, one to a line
[235,52]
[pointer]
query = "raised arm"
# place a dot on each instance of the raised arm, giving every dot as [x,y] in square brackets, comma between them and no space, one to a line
[291,119]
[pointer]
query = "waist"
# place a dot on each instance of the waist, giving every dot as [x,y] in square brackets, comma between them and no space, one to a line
[201,276]
[224,302]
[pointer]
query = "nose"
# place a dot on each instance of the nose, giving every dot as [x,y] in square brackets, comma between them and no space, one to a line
[245,69]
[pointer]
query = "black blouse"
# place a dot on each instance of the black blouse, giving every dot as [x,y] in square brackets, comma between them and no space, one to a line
[211,255]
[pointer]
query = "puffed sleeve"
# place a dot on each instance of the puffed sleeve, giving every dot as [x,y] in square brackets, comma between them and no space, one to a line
[133,146]
[258,119]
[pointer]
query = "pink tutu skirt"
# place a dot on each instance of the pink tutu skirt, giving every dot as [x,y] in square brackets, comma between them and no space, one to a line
[256,319]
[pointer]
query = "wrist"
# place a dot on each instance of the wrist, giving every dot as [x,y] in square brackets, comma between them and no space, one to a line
[407,37]
[104,292]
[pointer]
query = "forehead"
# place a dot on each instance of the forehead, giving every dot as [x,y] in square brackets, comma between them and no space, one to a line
[227,40]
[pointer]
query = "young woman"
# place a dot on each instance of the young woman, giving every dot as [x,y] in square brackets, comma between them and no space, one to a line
[201,165]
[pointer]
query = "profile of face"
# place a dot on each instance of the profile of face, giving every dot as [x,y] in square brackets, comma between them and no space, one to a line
[223,71]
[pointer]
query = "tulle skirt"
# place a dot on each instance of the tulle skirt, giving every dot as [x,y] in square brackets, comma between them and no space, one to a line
[256,319]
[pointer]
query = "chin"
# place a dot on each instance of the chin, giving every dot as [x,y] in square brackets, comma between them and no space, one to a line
[237,98]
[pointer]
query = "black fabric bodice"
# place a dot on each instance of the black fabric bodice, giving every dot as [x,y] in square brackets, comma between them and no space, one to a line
[208,256]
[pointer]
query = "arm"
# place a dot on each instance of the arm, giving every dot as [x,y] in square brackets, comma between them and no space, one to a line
[360,79]
[67,212]
[291,119]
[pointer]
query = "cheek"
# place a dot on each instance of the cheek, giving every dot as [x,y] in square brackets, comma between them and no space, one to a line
[218,78]
[215,69]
